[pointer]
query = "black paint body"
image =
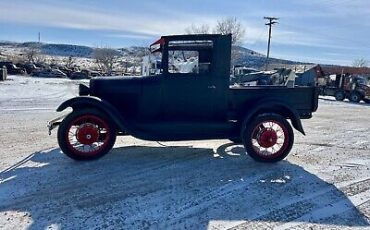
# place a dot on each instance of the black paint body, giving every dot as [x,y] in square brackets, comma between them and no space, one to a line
[173,106]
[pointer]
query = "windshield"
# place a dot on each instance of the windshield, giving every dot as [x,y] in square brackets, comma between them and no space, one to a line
[362,81]
[152,64]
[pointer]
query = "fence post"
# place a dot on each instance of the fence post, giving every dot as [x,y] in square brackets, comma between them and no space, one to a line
[3,73]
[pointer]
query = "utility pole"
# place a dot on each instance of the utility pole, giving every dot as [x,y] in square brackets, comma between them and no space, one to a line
[271,21]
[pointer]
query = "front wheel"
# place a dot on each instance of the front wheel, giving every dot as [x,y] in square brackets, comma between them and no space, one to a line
[268,138]
[86,135]
[355,97]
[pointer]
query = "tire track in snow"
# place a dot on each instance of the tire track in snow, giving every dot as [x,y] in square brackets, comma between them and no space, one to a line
[195,208]
[73,198]
[329,210]
[209,198]
[309,207]
[58,191]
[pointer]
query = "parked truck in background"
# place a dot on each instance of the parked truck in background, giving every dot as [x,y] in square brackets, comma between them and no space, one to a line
[342,86]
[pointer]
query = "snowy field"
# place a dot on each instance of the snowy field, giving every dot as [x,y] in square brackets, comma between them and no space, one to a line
[323,183]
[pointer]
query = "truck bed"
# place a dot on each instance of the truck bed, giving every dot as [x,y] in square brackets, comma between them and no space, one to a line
[302,98]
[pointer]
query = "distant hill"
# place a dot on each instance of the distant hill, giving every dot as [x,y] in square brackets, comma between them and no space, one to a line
[250,58]
[53,49]
[245,57]
[134,51]
[67,50]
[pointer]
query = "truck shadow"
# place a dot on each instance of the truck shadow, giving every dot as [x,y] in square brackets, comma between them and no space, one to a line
[170,188]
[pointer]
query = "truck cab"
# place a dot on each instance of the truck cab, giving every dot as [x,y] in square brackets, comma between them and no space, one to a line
[189,99]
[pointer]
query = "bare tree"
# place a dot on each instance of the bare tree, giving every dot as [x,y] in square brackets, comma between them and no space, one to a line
[194,29]
[32,54]
[70,61]
[40,59]
[234,27]
[106,58]
[360,62]
[125,64]
[231,26]
[137,62]
[15,58]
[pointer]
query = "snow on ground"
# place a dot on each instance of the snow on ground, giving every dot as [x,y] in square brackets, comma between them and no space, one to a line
[323,183]
[30,93]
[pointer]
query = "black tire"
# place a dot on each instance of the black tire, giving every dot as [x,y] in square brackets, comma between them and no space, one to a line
[87,128]
[260,138]
[367,101]
[340,96]
[355,97]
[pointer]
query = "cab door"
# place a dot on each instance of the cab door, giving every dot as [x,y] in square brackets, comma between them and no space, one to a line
[191,91]
[189,97]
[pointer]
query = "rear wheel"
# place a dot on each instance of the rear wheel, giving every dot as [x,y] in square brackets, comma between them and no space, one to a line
[268,138]
[340,96]
[86,135]
[355,97]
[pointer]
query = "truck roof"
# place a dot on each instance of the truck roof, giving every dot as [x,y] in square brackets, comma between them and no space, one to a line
[192,36]
[157,45]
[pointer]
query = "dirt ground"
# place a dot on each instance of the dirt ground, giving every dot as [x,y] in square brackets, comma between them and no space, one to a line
[323,184]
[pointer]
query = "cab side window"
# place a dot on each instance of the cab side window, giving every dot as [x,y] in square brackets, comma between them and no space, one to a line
[190,57]
[183,61]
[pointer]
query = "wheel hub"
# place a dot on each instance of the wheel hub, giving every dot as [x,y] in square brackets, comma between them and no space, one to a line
[267,138]
[87,134]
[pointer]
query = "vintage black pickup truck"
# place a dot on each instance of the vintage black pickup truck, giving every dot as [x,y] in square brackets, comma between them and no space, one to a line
[190,99]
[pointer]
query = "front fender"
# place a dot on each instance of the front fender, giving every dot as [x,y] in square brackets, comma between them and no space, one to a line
[124,125]
[274,106]
[80,102]
[83,102]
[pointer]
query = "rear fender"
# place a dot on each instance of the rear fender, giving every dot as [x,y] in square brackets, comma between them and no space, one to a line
[278,107]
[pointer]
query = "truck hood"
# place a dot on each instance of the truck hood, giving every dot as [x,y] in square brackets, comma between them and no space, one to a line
[115,85]
[365,86]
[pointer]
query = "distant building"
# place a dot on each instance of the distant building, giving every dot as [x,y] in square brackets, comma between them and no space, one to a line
[358,71]
[308,76]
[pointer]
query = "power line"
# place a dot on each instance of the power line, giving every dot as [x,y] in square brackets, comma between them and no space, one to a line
[271,21]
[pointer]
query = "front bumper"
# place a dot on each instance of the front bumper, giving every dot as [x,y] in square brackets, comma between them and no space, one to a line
[55,123]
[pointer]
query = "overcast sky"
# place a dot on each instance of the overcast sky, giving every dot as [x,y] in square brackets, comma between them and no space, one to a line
[320,31]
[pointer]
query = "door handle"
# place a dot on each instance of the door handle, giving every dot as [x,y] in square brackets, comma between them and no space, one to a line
[211,87]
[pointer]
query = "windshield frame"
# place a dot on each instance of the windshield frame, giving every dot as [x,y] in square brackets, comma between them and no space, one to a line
[157,46]
[362,80]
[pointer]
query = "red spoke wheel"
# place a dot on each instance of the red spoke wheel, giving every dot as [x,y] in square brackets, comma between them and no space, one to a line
[268,138]
[86,135]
